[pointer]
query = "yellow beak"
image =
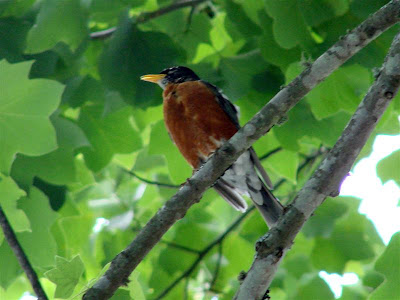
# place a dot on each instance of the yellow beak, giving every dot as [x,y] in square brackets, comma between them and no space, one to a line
[155,78]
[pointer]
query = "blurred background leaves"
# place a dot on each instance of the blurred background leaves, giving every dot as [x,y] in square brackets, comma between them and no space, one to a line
[74,116]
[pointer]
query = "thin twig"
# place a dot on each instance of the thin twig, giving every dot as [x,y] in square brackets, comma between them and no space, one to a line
[312,158]
[146,16]
[160,184]
[268,154]
[186,289]
[181,247]
[19,253]
[217,267]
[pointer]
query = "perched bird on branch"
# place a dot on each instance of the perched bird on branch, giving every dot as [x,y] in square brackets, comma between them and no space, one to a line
[199,119]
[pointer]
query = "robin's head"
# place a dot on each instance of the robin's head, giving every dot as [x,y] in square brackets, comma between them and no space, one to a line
[171,75]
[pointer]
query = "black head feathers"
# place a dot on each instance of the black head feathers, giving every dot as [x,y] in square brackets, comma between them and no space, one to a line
[179,74]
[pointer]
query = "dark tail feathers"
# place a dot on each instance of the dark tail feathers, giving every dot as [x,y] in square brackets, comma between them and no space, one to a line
[271,210]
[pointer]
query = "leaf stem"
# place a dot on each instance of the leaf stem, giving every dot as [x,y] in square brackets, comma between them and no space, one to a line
[146,16]
[160,184]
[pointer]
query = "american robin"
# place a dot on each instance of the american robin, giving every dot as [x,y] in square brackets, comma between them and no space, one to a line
[199,119]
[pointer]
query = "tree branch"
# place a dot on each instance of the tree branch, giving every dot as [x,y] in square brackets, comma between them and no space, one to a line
[268,154]
[160,184]
[19,253]
[180,247]
[325,181]
[217,266]
[146,16]
[190,193]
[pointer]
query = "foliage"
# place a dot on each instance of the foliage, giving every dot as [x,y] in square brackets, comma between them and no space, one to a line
[74,116]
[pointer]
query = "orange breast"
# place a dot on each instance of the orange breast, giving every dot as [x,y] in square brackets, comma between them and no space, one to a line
[195,121]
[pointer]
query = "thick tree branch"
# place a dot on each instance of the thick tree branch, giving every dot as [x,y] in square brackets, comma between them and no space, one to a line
[325,181]
[144,17]
[12,240]
[175,208]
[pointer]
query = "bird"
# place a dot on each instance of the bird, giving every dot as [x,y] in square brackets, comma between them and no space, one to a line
[199,118]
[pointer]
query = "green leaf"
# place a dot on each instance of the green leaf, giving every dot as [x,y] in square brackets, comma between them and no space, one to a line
[66,275]
[271,51]
[108,11]
[373,279]
[389,123]
[135,288]
[327,130]
[57,21]
[144,118]
[13,38]
[316,288]
[240,20]
[174,261]
[76,231]
[316,12]
[196,34]
[81,89]
[160,143]
[9,266]
[373,55]
[120,294]
[219,36]
[323,220]
[285,163]
[290,28]
[341,91]
[173,24]
[15,8]
[41,217]
[238,72]
[113,102]
[298,265]
[145,162]
[237,253]
[24,123]
[332,254]
[388,168]
[59,63]
[132,53]
[56,193]
[364,8]
[253,226]
[108,135]
[8,201]
[388,264]
[13,291]
[353,293]
[56,167]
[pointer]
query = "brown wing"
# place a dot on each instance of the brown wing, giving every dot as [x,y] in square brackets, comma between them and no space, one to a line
[225,104]
[233,114]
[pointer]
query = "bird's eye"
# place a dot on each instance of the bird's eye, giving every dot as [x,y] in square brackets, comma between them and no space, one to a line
[163,83]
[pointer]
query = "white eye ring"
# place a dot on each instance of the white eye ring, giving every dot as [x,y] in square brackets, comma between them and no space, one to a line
[163,83]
